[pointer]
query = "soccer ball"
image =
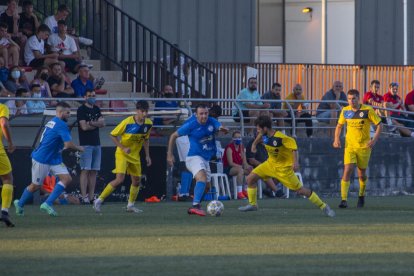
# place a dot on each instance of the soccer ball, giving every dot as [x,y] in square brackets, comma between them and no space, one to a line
[215,208]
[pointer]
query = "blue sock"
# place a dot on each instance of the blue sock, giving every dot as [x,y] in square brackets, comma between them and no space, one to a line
[186,179]
[198,192]
[27,195]
[57,191]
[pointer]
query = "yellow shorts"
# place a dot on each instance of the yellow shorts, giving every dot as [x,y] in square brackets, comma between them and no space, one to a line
[123,166]
[360,157]
[284,175]
[5,166]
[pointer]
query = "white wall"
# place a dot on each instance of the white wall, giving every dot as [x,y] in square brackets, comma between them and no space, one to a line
[303,32]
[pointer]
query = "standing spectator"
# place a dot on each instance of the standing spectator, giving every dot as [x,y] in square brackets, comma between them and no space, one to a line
[65,46]
[9,50]
[409,106]
[61,14]
[34,51]
[235,163]
[35,107]
[250,93]
[59,87]
[16,80]
[300,109]
[90,120]
[28,23]
[82,83]
[276,108]
[165,105]
[11,18]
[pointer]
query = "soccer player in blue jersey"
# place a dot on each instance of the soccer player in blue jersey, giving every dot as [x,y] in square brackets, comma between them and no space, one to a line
[201,133]
[47,157]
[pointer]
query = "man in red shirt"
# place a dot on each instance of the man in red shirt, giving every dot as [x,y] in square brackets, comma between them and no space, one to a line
[409,106]
[394,101]
[376,100]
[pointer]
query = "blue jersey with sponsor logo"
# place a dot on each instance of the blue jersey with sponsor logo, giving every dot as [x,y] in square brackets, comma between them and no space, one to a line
[49,151]
[202,140]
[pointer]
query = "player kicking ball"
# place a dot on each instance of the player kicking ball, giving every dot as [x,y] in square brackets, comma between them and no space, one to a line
[281,164]
[358,144]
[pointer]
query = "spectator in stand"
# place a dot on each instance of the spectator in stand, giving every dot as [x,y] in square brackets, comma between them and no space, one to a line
[276,108]
[35,107]
[82,83]
[235,163]
[64,45]
[18,107]
[61,14]
[394,101]
[59,86]
[28,23]
[328,112]
[166,105]
[9,50]
[409,106]
[302,115]
[90,120]
[11,18]
[215,111]
[4,72]
[250,93]
[34,51]
[16,80]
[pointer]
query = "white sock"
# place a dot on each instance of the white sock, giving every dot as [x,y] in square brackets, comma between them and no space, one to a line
[5,209]
[240,189]
[389,122]
[130,205]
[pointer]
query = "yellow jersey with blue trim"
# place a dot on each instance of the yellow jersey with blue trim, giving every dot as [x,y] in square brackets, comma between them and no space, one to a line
[280,149]
[358,125]
[132,136]
[4,113]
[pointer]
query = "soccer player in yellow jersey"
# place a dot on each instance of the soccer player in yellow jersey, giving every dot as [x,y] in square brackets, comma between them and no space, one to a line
[5,166]
[358,143]
[281,164]
[134,132]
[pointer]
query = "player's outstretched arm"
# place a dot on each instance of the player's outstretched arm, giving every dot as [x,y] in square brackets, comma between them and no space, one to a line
[374,140]
[71,145]
[258,139]
[5,128]
[147,154]
[224,129]
[171,144]
[337,141]
[119,145]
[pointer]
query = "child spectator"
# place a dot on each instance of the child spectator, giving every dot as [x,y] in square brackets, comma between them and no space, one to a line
[18,107]
[28,23]
[9,50]
[66,48]
[59,87]
[35,107]
[34,51]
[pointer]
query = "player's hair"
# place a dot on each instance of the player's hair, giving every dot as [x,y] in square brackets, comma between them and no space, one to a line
[235,132]
[353,92]
[263,121]
[43,28]
[200,105]
[142,105]
[276,84]
[62,105]
[375,82]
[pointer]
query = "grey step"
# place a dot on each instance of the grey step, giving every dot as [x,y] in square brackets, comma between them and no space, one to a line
[96,63]
[84,53]
[108,75]
[117,86]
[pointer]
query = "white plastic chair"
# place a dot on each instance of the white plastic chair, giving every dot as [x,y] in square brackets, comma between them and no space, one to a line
[259,187]
[221,183]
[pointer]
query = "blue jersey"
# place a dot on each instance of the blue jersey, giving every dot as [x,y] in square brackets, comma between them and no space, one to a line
[52,141]
[202,141]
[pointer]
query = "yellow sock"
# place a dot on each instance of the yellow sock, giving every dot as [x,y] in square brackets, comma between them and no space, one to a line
[133,193]
[362,186]
[106,192]
[252,195]
[344,189]
[314,198]
[6,196]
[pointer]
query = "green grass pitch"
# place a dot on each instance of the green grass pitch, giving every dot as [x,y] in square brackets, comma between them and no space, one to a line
[284,237]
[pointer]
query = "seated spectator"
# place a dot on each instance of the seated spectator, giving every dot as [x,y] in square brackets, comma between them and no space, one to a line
[394,101]
[276,108]
[235,163]
[328,112]
[11,18]
[257,158]
[376,100]
[82,83]
[34,51]
[65,46]
[9,50]
[61,14]
[28,22]
[35,107]
[4,72]
[215,111]
[18,107]
[165,105]
[409,106]
[16,80]
[250,93]
[58,84]
[302,115]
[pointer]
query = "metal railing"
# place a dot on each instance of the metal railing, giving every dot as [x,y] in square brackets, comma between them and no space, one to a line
[146,59]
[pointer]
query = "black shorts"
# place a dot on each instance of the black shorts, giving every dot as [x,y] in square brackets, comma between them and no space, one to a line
[71,63]
[236,117]
[37,62]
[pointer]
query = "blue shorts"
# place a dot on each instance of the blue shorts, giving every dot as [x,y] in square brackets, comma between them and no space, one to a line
[91,158]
